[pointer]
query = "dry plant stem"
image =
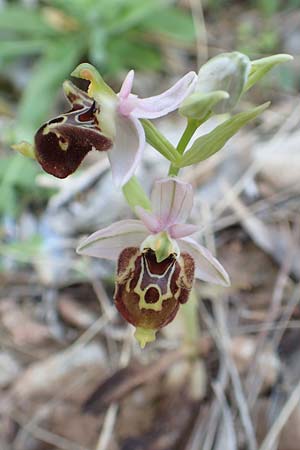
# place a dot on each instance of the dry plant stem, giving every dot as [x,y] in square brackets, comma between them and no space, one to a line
[200,29]
[52,439]
[84,339]
[278,140]
[32,427]
[226,438]
[285,322]
[212,426]
[254,382]
[111,415]
[282,419]
[221,337]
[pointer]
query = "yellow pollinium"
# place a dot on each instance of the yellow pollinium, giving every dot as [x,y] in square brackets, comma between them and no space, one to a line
[144,335]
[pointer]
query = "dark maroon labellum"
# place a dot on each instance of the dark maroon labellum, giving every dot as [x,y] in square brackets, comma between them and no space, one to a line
[63,142]
[148,293]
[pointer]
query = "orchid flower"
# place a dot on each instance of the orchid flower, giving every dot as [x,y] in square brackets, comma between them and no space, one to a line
[157,260]
[102,120]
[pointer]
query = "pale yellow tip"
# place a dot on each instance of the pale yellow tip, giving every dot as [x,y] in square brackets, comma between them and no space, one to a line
[144,336]
[25,149]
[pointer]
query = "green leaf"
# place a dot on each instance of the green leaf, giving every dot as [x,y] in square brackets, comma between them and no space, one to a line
[16,172]
[134,13]
[268,7]
[260,67]
[40,93]
[12,49]
[209,144]
[159,142]
[125,54]
[18,19]
[78,9]
[199,105]
[172,22]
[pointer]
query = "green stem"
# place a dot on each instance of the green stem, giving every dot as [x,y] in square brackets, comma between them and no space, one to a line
[135,194]
[188,133]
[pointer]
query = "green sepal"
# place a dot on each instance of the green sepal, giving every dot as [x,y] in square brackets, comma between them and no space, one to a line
[260,67]
[135,194]
[159,142]
[97,85]
[209,144]
[199,105]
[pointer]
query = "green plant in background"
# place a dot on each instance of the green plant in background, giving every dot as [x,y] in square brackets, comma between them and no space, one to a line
[157,259]
[18,185]
[113,34]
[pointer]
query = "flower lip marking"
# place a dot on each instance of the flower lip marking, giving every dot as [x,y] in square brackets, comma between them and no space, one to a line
[155,276]
[148,293]
[63,142]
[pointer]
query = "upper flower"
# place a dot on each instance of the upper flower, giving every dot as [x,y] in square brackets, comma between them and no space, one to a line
[157,261]
[103,120]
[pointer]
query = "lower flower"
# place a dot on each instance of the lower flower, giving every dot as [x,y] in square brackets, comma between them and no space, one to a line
[148,293]
[157,260]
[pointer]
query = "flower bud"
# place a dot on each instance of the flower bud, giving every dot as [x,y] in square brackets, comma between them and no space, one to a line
[148,293]
[200,105]
[226,72]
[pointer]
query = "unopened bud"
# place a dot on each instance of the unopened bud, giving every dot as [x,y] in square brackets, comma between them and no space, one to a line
[226,72]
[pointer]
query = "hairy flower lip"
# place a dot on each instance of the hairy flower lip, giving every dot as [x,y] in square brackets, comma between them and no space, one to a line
[63,142]
[148,293]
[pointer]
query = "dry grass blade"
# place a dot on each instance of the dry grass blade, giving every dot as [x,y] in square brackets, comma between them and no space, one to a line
[127,379]
[226,438]
[282,419]
[200,29]
[108,427]
[277,244]
[277,140]
[220,334]
[111,415]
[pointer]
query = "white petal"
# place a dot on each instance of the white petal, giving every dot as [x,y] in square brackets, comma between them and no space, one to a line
[160,105]
[180,230]
[127,85]
[207,267]
[109,242]
[126,153]
[172,201]
[149,220]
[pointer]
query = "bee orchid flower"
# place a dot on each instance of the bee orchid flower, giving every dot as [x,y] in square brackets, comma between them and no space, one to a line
[102,120]
[157,260]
